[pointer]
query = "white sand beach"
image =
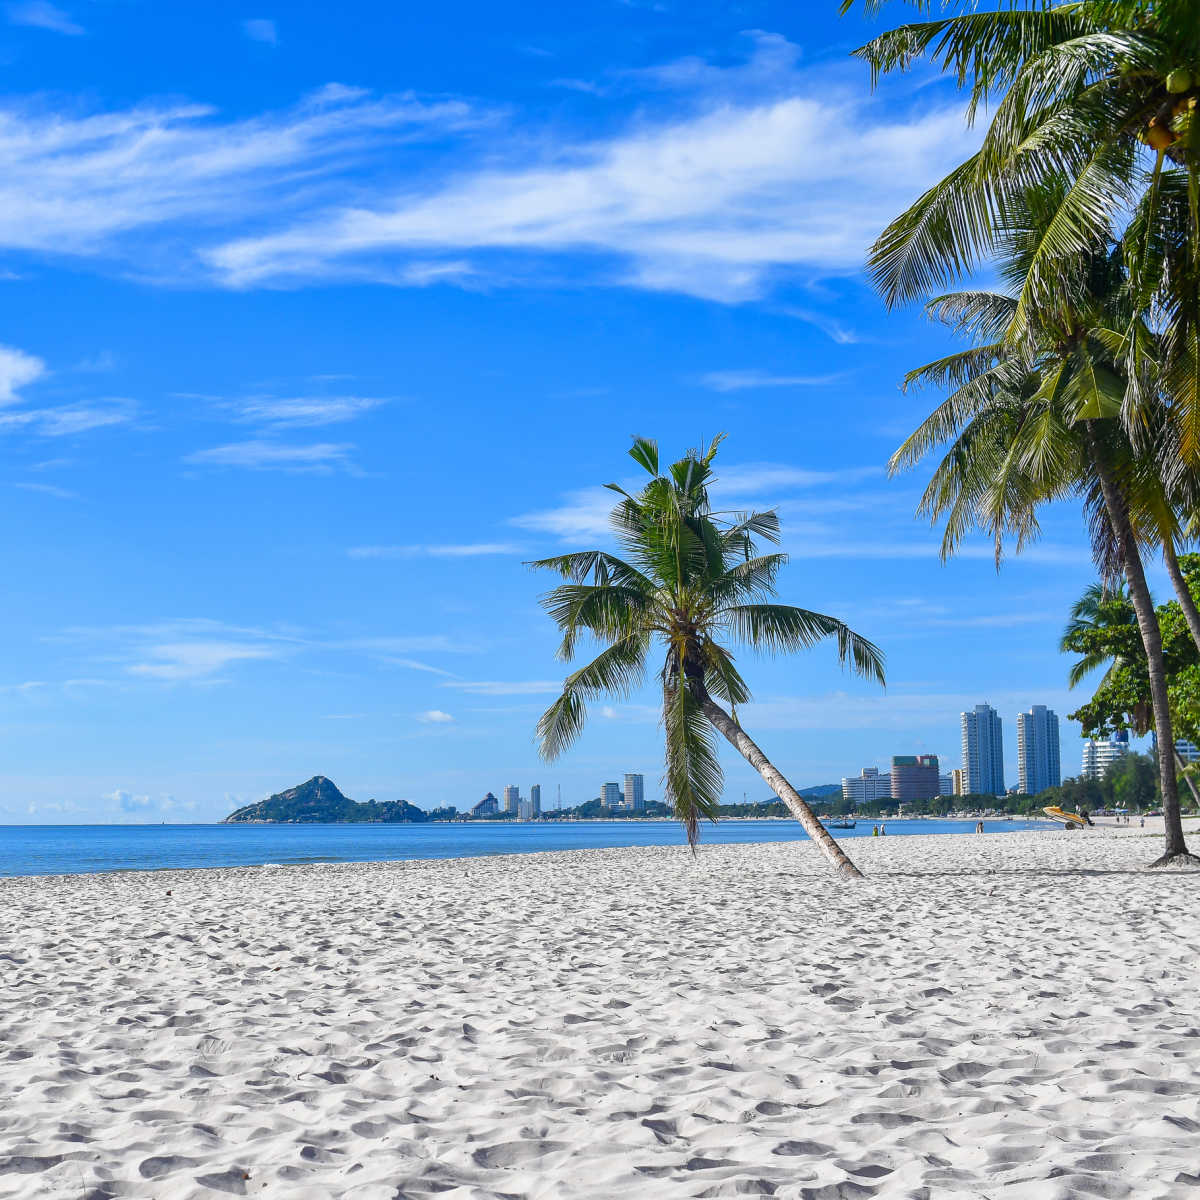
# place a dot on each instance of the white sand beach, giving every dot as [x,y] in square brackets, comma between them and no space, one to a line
[1011,1015]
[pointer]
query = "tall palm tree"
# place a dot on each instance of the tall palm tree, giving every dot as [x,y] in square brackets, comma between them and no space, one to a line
[692,581]
[1034,416]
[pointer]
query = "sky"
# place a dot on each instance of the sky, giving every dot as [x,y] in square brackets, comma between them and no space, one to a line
[319,323]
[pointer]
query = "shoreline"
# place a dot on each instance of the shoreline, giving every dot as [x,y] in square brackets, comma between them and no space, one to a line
[54,851]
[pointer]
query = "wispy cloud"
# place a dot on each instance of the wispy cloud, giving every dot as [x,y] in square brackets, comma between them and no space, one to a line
[69,419]
[498,687]
[435,716]
[183,166]
[260,455]
[49,489]
[752,379]
[443,550]
[714,203]
[175,662]
[584,513]
[259,29]
[40,14]
[300,412]
[729,179]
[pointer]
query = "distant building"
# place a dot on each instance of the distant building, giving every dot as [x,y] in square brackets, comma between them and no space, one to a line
[1186,750]
[512,800]
[489,806]
[524,810]
[959,781]
[1038,766]
[535,800]
[635,795]
[867,787]
[610,794]
[915,777]
[983,751]
[1099,756]
[946,784]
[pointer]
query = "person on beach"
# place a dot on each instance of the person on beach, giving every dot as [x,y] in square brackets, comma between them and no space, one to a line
[874,830]
[978,826]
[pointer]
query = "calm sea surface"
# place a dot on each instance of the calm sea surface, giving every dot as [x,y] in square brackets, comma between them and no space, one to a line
[84,849]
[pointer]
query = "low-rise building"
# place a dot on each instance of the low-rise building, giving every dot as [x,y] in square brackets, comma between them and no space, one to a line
[867,787]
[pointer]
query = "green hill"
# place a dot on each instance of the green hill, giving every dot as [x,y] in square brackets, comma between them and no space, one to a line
[318,802]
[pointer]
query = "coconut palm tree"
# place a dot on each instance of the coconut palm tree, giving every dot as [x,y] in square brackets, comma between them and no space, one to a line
[1096,98]
[692,581]
[1034,416]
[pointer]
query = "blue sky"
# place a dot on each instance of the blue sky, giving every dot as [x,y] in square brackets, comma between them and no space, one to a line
[319,322]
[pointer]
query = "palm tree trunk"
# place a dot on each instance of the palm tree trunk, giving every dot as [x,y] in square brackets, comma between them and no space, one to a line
[746,747]
[1139,594]
[1182,591]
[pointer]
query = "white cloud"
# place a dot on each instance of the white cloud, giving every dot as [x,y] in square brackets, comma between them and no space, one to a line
[79,184]
[16,370]
[585,514]
[278,456]
[299,412]
[442,550]
[435,716]
[745,380]
[40,14]
[727,179]
[260,29]
[712,204]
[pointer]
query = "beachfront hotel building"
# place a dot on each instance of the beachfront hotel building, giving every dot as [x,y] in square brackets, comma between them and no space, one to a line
[1038,765]
[958,782]
[512,800]
[867,787]
[635,793]
[1099,756]
[983,751]
[946,784]
[489,806]
[610,795]
[535,801]
[1188,751]
[915,777]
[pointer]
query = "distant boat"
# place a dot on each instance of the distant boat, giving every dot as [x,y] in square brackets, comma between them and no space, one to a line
[843,824]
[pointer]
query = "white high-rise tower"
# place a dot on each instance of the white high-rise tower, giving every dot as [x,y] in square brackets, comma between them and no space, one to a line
[1038,766]
[983,751]
[635,796]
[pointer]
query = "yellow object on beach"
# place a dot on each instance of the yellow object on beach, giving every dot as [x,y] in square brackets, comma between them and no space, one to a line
[1069,819]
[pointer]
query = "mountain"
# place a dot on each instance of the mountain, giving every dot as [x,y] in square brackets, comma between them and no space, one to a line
[822,789]
[318,802]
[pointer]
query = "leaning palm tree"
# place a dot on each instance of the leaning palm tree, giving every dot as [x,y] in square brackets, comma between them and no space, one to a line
[692,581]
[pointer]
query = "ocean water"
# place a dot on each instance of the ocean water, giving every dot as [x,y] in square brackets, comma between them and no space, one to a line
[85,849]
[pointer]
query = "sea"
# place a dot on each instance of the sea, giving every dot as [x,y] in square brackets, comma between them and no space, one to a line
[89,849]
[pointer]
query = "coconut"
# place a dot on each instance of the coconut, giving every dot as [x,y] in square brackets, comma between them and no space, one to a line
[1179,80]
